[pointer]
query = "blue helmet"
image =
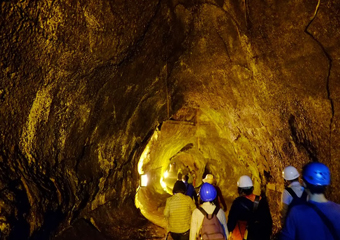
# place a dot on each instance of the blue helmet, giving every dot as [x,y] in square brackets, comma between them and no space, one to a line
[317,174]
[208,192]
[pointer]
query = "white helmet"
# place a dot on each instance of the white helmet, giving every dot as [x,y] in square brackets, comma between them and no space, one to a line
[245,182]
[290,173]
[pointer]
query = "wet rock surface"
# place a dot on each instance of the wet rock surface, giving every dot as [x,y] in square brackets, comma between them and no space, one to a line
[229,88]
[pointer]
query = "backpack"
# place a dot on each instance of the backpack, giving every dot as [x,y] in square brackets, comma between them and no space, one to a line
[259,225]
[296,200]
[211,226]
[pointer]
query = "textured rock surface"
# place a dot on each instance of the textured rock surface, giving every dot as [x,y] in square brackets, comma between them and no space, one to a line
[249,86]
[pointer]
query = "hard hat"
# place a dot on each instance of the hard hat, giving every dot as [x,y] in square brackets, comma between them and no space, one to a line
[209,178]
[290,173]
[245,182]
[208,192]
[316,173]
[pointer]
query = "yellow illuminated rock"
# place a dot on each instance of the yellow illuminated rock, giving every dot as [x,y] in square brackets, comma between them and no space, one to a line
[94,94]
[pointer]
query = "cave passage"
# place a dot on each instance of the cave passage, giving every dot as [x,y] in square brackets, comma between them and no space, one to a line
[192,147]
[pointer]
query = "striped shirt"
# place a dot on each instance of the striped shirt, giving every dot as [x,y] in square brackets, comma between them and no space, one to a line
[178,210]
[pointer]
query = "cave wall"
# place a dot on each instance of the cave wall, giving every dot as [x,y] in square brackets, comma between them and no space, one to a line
[85,83]
[81,87]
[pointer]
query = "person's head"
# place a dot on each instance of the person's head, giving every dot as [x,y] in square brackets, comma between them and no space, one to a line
[185,178]
[179,187]
[316,177]
[209,178]
[290,174]
[208,192]
[245,185]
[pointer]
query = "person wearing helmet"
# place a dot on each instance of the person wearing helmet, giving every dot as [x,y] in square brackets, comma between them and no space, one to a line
[249,216]
[190,190]
[219,200]
[292,186]
[177,211]
[318,218]
[207,194]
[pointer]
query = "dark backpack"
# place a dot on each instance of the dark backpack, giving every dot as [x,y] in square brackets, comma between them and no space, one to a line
[296,200]
[211,226]
[259,225]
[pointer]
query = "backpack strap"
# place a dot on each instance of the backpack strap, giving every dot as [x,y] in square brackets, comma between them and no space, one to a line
[291,192]
[304,195]
[216,211]
[206,214]
[325,220]
[203,211]
[256,203]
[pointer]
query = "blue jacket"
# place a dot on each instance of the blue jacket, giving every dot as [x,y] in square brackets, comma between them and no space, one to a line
[190,191]
[304,223]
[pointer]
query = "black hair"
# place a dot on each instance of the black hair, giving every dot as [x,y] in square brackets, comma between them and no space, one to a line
[246,191]
[294,180]
[179,187]
[185,178]
[315,189]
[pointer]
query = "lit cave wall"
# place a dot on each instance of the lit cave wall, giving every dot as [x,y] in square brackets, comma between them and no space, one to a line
[94,93]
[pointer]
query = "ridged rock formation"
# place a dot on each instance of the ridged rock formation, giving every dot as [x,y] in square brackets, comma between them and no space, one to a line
[226,87]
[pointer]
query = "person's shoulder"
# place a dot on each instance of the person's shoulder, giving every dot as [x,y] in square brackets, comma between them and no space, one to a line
[239,198]
[334,205]
[300,208]
[220,211]
[184,196]
[196,213]
[170,199]
[198,210]
[240,201]
[286,190]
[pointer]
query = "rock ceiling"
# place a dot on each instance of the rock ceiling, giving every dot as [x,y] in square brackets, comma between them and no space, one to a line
[229,87]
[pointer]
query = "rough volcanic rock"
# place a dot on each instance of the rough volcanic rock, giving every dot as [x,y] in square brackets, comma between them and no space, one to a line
[228,87]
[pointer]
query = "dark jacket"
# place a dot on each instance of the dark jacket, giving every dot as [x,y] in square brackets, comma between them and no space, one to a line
[241,213]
